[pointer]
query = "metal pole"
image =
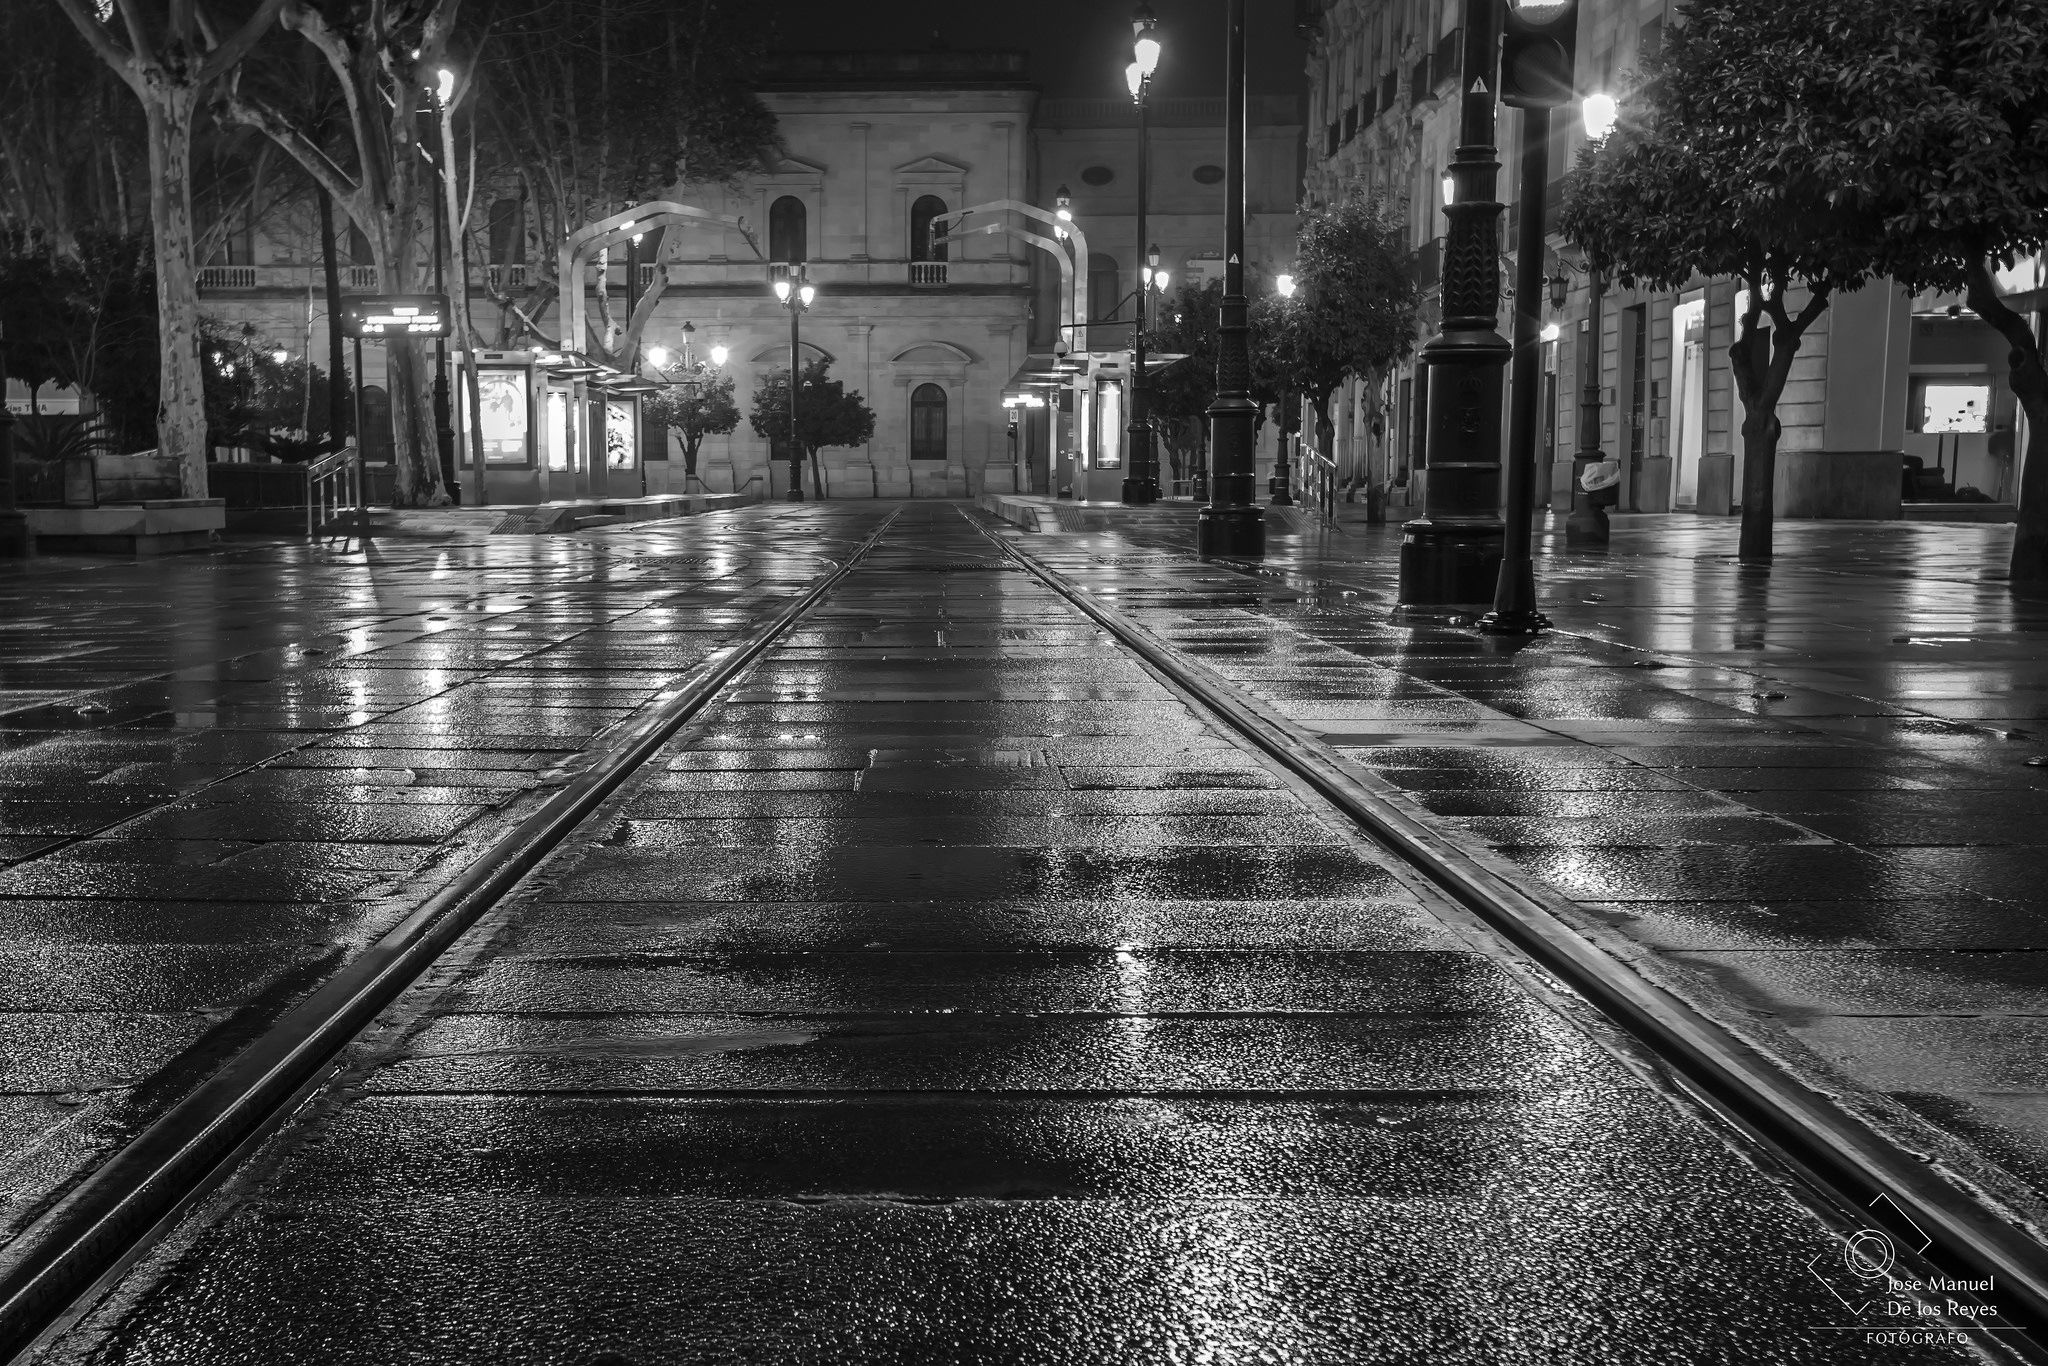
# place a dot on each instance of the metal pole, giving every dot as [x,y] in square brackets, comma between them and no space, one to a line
[1232,523]
[796,450]
[1450,556]
[1514,596]
[1141,485]
[362,484]
[1587,522]
[16,540]
[444,422]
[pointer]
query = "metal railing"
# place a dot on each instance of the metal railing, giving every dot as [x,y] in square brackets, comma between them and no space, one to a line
[215,279]
[1318,475]
[333,488]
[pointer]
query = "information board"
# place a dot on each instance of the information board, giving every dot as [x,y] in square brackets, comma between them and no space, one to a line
[395,315]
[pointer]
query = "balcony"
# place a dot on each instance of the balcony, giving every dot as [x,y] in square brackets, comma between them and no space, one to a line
[928,274]
[233,279]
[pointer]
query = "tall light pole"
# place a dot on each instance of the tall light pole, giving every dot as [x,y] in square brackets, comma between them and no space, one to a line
[1232,523]
[444,422]
[1536,77]
[16,540]
[794,292]
[1283,479]
[1586,524]
[1141,480]
[1450,555]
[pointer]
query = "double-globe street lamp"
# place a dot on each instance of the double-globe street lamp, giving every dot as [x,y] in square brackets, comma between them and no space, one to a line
[1141,480]
[689,374]
[794,291]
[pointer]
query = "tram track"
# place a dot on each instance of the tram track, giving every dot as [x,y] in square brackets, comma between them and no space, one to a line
[89,1239]
[1846,1163]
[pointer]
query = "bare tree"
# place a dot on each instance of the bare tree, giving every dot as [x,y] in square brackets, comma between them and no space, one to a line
[172,53]
[382,55]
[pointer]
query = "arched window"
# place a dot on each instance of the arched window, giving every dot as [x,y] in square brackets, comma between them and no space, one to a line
[1103,290]
[788,230]
[928,423]
[922,213]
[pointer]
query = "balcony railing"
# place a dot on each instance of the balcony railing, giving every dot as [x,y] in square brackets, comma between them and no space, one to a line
[928,273]
[218,279]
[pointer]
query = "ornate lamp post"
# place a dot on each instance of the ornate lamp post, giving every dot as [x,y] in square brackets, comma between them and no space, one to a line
[689,374]
[1587,522]
[794,292]
[1141,480]
[1282,486]
[1231,523]
[1536,74]
[1451,554]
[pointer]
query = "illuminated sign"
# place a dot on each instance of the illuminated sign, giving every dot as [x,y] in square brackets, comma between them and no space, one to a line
[395,315]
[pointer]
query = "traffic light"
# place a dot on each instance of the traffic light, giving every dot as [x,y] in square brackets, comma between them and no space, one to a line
[1537,39]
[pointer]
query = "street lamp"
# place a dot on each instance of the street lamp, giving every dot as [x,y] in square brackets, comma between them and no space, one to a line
[1282,485]
[1141,480]
[689,373]
[1587,524]
[1450,555]
[1232,523]
[795,292]
[1536,77]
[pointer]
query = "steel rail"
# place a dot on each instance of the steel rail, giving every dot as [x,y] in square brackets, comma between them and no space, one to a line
[1854,1165]
[98,1227]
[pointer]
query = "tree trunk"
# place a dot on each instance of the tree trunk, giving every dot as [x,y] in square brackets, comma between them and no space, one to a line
[2029,571]
[690,460]
[181,402]
[418,482]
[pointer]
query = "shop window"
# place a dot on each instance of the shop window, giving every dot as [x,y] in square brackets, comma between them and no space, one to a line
[1941,405]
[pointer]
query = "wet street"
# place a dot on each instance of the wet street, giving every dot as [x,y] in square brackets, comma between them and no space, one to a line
[952,988]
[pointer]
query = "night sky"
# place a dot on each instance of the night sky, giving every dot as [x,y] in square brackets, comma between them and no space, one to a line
[1078,47]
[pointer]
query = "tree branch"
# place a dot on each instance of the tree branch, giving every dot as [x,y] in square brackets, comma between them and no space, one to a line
[225,55]
[125,64]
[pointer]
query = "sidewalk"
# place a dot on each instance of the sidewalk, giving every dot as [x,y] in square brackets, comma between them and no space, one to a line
[223,774]
[1812,800]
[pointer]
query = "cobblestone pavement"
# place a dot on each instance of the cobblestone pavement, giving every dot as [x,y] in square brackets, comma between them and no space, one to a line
[952,992]
[1811,799]
[222,775]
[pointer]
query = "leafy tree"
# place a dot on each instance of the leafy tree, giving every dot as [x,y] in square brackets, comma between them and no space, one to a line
[36,285]
[255,400]
[169,54]
[827,414]
[1355,306]
[1931,121]
[1724,169]
[694,412]
[1178,397]
[86,317]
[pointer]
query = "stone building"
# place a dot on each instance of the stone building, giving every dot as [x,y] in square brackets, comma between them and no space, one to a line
[933,333]
[1880,377]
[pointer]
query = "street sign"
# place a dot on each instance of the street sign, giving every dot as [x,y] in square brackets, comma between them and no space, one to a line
[395,315]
